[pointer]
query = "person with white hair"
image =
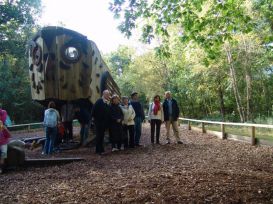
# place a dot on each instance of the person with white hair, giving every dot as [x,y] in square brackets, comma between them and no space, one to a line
[128,122]
[101,115]
[171,114]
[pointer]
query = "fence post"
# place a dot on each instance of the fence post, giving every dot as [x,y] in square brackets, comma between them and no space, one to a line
[203,127]
[253,139]
[28,128]
[189,125]
[223,131]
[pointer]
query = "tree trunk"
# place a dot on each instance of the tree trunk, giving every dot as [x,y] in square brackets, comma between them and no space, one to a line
[210,106]
[221,99]
[234,84]
[205,106]
[249,97]
[267,95]
[192,111]
[248,77]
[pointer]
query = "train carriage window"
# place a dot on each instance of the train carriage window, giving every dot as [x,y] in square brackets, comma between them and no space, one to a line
[71,54]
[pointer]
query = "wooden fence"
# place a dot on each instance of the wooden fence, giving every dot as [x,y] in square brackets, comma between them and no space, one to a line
[30,126]
[252,126]
[27,126]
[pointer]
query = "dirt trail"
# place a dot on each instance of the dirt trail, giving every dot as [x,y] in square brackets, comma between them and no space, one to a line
[203,170]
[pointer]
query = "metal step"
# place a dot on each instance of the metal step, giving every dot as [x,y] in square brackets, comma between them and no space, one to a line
[50,161]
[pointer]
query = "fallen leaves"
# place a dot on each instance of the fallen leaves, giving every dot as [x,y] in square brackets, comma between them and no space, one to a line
[203,170]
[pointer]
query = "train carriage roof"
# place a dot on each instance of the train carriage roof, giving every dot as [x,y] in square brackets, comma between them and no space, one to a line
[50,32]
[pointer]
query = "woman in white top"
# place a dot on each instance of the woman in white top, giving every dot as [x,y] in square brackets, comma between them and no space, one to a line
[128,122]
[155,117]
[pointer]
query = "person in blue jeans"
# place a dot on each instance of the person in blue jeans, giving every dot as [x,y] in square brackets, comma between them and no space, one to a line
[139,118]
[51,118]
[51,134]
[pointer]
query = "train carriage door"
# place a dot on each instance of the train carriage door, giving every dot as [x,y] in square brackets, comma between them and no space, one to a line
[74,66]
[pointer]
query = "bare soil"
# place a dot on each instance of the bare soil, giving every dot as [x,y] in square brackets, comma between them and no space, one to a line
[204,169]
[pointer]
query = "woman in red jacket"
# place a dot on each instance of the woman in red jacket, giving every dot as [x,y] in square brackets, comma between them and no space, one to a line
[4,139]
[155,117]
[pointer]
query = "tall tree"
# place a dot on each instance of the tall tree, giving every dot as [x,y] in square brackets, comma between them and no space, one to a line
[17,22]
[214,25]
[120,59]
[207,22]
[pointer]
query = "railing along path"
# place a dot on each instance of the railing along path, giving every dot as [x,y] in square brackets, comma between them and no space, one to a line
[223,124]
[203,122]
[29,126]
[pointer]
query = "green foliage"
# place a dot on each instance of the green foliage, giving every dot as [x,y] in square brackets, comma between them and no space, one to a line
[217,54]
[17,23]
[144,73]
[120,60]
[207,22]
[15,91]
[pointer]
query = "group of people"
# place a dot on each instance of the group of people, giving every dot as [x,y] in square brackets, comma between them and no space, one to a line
[124,119]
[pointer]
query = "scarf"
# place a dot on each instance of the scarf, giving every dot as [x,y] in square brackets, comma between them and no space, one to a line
[156,107]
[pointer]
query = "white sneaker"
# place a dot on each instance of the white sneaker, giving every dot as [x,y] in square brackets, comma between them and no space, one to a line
[114,149]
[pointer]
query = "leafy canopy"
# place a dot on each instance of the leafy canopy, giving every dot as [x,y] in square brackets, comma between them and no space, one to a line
[208,22]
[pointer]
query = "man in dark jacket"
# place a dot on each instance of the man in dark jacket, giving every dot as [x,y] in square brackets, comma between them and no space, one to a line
[101,115]
[171,114]
[139,118]
[67,115]
[83,116]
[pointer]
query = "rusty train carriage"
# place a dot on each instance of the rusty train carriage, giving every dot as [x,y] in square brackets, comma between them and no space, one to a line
[65,66]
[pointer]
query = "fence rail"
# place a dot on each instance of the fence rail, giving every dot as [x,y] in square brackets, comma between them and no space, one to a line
[223,124]
[29,126]
[253,126]
[227,123]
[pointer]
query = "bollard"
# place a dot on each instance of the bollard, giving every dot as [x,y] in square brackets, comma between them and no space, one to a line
[189,125]
[223,131]
[253,139]
[203,128]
